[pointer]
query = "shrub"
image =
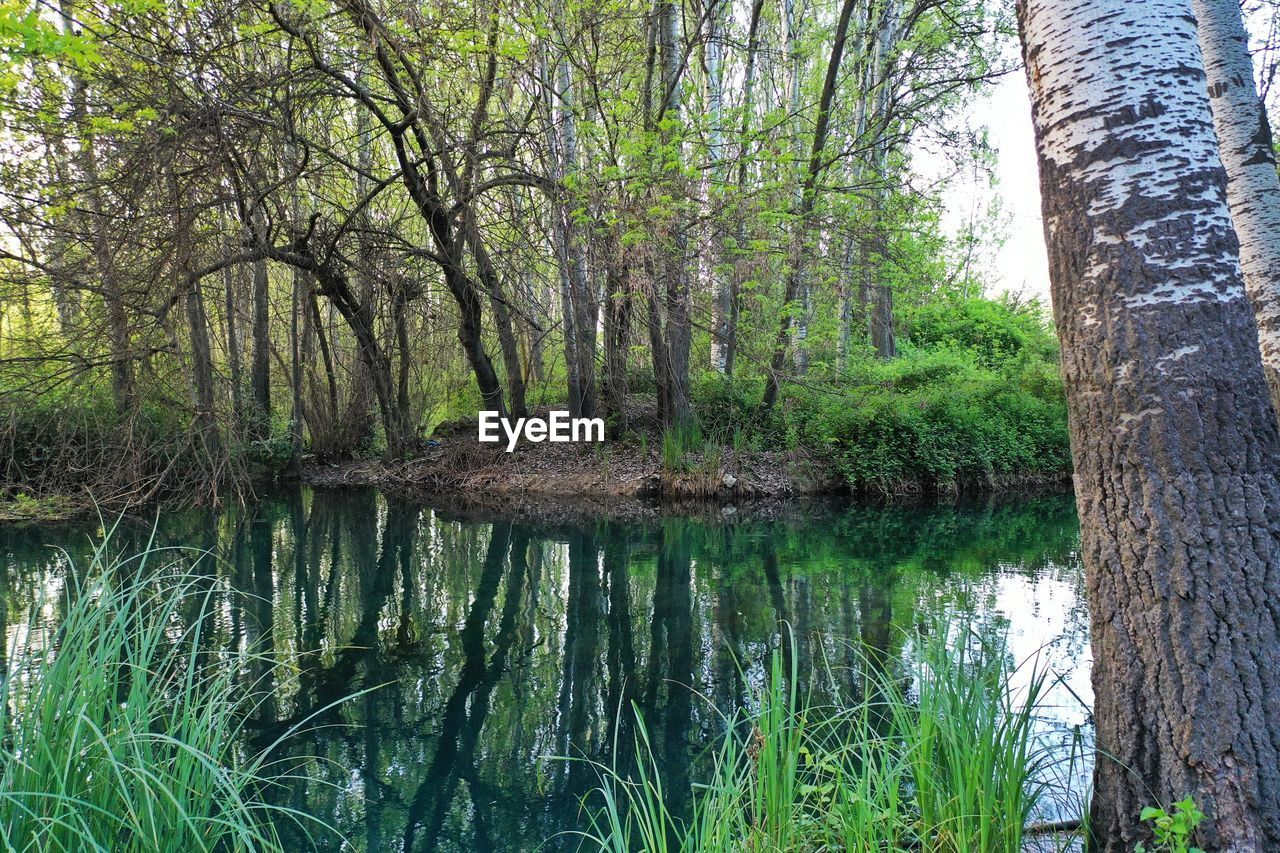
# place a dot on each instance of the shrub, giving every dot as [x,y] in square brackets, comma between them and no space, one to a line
[730,406]
[994,331]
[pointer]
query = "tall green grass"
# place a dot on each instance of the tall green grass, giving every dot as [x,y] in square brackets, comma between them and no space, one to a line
[122,729]
[941,758]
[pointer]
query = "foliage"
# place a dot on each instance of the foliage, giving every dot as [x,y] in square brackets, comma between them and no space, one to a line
[977,401]
[68,447]
[952,764]
[123,728]
[221,206]
[1174,832]
[997,332]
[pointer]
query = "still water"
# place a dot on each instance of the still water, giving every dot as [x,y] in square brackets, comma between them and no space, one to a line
[498,646]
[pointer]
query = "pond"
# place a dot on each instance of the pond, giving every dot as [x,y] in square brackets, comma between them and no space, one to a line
[499,645]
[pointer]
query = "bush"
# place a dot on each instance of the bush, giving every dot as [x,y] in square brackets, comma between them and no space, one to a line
[936,420]
[728,407]
[996,332]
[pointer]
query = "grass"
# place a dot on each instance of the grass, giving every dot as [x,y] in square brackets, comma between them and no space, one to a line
[122,728]
[944,760]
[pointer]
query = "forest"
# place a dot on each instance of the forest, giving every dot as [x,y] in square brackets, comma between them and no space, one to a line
[243,235]
[269,271]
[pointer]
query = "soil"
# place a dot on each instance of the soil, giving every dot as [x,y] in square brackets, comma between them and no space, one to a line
[459,464]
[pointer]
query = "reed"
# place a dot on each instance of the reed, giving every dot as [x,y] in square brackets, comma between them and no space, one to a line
[943,758]
[123,728]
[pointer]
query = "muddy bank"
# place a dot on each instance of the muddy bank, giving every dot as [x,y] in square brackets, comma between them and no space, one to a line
[618,474]
[622,470]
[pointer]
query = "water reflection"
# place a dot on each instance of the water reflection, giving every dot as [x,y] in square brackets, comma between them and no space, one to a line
[487,647]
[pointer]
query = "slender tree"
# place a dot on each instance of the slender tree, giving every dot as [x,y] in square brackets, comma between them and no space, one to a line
[1253,188]
[1175,443]
[796,281]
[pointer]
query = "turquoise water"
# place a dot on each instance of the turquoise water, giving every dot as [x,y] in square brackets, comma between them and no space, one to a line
[499,646]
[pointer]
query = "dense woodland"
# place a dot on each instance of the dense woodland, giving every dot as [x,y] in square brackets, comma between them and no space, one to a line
[239,232]
[236,234]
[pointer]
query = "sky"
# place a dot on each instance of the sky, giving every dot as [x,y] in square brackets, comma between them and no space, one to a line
[1020,263]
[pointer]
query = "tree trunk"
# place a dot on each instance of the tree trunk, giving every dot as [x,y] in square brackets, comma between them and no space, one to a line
[716,272]
[844,344]
[657,345]
[260,364]
[617,339]
[731,299]
[326,355]
[492,283]
[233,333]
[796,280]
[882,331]
[1253,189]
[188,289]
[296,408]
[801,249]
[334,285]
[675,279]
[119,334]
[1175,442]
[202,372]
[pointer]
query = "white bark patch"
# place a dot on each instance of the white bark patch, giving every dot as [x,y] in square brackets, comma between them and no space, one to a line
[1253,188]
[1128,418]
[1130,147]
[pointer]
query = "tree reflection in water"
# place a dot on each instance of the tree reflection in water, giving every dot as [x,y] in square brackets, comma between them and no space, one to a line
[488,647]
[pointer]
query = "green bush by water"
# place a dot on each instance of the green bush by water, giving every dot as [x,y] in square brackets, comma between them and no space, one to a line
[974,400]
[123,730]
[949,764]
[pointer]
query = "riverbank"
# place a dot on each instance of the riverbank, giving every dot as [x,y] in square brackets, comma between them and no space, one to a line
[636,476]
[610,470]
[952,416]
[638,467]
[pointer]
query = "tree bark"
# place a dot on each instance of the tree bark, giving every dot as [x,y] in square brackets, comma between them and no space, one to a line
[296,407]
[233,334]
[808,197]
[717,274]
[260,359]
[617,337]
[202,373]
[1176,445]
[883,338]
[730,306]
[801,250]
[510,347]
[1253,188]
[675,278]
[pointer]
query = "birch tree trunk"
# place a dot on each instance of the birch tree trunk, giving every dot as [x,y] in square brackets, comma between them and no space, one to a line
[800,239]
[577,305]
[1253,189]
[881,309]
[1175,443]
[728,300]
[718,275]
